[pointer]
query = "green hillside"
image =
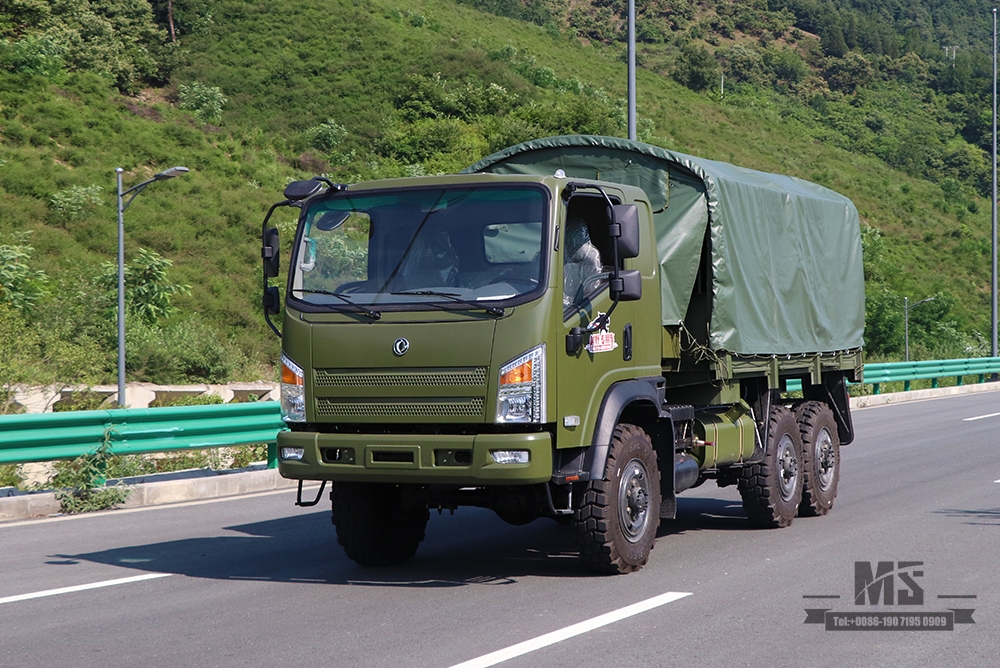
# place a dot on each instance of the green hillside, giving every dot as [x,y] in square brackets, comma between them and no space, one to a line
[252,95]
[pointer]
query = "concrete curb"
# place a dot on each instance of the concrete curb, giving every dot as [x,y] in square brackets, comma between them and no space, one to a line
[223,484]
[872,400]
[157,493]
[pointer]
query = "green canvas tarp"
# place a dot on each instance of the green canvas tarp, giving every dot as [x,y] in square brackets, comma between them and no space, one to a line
[786,253]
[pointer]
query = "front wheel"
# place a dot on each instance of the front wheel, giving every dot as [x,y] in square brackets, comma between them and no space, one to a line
[617,517]
[820,458]
[772,489]
[378,524]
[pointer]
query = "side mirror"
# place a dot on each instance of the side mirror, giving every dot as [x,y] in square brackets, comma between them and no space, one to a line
[271,253]
[627,218]
[627,286]
[331,220]
[272,301]
[299,190]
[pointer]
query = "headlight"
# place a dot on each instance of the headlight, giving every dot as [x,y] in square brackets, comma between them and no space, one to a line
[521,396]
[293,391]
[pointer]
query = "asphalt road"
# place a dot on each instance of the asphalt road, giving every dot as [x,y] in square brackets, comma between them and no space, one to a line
[254,581]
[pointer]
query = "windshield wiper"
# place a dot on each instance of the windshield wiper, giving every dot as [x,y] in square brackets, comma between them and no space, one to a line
[492,310]
[374,315]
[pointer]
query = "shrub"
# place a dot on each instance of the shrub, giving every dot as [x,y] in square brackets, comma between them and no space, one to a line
[80,483]
[20,286]
[205,101]
[326,136]
[10,475]
[84,400]
[148,292]
[77,202]
[38,55]
[183,352]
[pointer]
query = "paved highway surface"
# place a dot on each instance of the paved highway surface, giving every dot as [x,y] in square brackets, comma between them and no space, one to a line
[254,581]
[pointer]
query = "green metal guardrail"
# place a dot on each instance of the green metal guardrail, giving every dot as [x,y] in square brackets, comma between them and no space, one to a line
[892,372]
[40,437]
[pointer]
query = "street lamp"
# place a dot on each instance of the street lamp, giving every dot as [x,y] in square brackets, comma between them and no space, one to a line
[631,71]
[906,321]
[122,205]
[993,281]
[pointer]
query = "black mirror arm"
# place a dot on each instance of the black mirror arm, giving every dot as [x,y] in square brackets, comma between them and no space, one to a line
[614,281]
[263,226]
[263,237]
[267,318]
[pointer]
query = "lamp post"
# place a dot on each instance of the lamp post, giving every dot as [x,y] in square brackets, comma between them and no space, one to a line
[993,286]
[906,321]
[122,205]
[631,71]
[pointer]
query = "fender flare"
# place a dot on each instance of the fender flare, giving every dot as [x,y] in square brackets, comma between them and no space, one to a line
[618,397]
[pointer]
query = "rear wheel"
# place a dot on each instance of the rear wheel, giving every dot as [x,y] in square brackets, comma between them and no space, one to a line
[378,524]
[617,516]
[820,457]
[772,489]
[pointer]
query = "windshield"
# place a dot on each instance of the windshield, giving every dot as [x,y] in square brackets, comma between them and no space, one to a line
[455,247]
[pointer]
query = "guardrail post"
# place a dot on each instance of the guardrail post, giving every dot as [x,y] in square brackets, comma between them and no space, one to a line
[934,383]
[958,380]
[876,389]
[906,386]
[272,455]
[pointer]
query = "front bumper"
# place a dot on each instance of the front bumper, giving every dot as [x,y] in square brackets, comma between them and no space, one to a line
[422,459]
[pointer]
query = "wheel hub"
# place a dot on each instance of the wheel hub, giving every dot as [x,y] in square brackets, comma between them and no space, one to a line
[633,500]
[826,460]
[788,468]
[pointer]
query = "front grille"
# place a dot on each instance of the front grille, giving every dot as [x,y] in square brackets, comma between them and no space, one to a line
[451,407]
[472,377]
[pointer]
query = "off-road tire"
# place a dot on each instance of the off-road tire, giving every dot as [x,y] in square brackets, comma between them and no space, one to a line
[772,489]
[820,458]
[377,524]
[616,517]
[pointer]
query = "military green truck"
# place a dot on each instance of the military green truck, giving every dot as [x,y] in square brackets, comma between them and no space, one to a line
[576,327]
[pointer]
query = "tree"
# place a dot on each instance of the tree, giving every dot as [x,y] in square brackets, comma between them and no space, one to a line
[696,68]
[834,44]
[848,73]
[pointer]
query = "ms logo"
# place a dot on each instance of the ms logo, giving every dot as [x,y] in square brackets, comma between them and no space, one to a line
[873,585]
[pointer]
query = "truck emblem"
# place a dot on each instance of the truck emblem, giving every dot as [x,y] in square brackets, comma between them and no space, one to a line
[400,347]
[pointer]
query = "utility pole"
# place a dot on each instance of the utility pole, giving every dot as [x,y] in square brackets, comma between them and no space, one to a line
[954,51]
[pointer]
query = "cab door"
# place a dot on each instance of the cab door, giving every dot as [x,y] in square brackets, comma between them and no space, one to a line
[604,354]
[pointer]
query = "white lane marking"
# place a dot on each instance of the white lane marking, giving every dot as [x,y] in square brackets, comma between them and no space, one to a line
[162,506]
[980,417]
[84,587]
[502,655]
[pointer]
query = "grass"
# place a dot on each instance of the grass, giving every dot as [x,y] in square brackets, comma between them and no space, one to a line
[360,63]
